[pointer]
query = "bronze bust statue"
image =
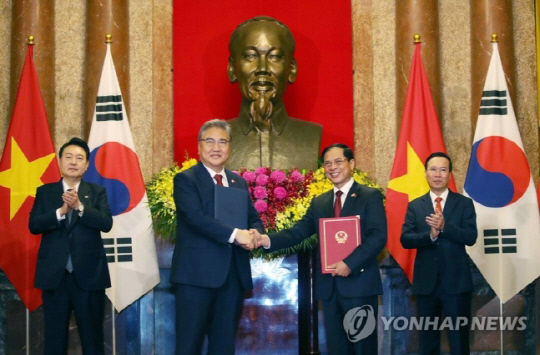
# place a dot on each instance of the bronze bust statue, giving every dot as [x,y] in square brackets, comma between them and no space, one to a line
[262,61]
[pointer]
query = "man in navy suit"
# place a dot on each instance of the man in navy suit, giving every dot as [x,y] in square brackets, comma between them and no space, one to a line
[355,282]
[439,225]
[210,265]
[72,267]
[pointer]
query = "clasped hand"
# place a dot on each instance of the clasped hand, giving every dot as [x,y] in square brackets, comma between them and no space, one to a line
[436,222]
[247,239]
[251,239]
[71,201]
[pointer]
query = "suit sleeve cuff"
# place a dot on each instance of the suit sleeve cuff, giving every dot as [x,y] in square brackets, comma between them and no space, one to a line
[81,209]
[232,238]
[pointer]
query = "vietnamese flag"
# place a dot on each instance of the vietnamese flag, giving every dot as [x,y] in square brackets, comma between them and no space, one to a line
[420,135]
[28,161]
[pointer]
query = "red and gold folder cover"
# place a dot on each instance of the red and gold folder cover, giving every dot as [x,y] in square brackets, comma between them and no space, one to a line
[338,237]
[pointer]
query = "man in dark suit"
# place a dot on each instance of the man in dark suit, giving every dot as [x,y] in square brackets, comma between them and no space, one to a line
[210,266]
[72,267]
[439,225]
[356,282]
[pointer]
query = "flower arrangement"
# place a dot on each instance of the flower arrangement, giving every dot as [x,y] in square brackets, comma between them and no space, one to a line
[280,197]
[272,191]
[161,201]
[297,208]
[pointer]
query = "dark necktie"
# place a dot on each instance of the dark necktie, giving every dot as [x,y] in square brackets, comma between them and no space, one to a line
[69,217]
[219,179]
[337,203]
[438,207]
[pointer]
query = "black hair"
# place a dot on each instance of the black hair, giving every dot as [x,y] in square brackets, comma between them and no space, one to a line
[347,152]
[439,155]
[78,142]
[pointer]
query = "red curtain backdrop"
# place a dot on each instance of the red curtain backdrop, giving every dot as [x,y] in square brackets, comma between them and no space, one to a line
[322,91]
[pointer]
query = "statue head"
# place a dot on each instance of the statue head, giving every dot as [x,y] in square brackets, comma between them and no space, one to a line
[262,61]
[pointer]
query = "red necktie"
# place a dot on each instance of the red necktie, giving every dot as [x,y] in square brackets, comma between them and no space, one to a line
[438,207]
[337,203]
[219,179]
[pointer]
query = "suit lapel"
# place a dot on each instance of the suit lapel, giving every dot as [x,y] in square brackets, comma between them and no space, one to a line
[231,179]
[351,199]
[450,204]
[205,182]
[427,204]
[84,192]
[57,192]
[327,201]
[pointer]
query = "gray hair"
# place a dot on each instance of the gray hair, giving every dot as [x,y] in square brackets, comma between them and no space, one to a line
[218,123]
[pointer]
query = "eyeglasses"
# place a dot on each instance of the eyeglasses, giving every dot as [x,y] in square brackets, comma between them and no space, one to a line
[210,142]
[442,171]
[337,162]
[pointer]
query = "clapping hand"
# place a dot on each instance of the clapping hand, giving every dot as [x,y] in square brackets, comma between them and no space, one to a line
[71,201]
[436,222]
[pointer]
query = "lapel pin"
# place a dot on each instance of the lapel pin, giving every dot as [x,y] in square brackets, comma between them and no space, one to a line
[233,181]
[353,195]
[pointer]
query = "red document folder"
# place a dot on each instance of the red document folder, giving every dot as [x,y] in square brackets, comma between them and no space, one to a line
[338,237]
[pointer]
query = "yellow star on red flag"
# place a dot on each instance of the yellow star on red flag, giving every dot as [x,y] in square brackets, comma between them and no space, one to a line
[27,162]
[23,177]
[413,183]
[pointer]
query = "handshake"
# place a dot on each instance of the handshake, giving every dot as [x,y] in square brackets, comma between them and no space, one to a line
[251,239]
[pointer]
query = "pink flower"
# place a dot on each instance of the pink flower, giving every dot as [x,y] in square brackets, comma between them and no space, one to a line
[297,176]
[260,171]
[259,192]
[278,176]
[280,193]
[260,206]
[249,176]
[261,180]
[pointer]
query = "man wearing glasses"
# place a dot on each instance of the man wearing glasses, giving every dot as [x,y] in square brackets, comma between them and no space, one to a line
[355,282]
[210,266]
[439,225]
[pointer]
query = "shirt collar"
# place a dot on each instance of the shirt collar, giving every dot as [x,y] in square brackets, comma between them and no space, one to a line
[444,196]
[345,188]
[66,187]
[222,173]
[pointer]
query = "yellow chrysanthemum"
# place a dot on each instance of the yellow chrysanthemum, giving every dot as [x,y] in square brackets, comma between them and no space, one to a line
[160,198]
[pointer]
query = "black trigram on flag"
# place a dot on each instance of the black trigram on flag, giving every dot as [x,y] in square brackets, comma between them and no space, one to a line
[498,241]
[109,108]
[494,102]
[118,250]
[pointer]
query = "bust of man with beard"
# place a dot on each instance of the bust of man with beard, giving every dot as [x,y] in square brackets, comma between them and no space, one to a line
[262,61]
